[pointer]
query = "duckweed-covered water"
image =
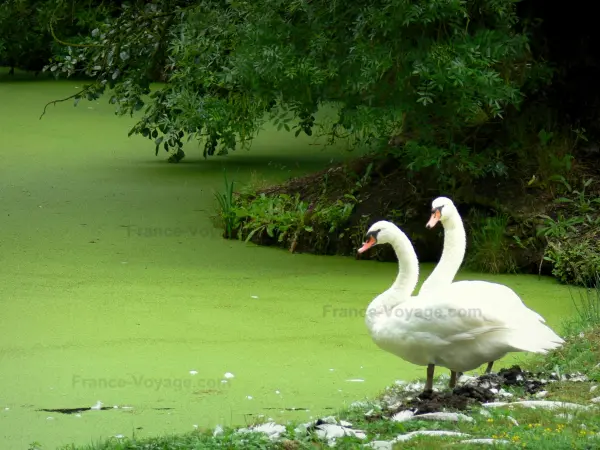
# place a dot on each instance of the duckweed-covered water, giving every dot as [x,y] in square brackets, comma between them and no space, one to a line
[115,287]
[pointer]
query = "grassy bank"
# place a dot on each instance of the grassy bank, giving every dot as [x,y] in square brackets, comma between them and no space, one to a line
[513,225]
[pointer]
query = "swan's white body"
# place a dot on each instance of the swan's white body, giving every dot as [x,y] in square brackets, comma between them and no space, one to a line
[457,328]
[455,242]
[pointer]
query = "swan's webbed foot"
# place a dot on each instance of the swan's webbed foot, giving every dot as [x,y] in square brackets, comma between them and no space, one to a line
[489,367]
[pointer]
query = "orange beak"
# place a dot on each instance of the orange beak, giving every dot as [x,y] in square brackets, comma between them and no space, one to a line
[435,218]
[367,245]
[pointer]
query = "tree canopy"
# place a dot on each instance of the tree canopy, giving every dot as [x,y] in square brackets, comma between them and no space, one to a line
[432,67]
[435,75]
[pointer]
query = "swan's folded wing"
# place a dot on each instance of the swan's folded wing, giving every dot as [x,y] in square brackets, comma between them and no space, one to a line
[495,294]
[442,318]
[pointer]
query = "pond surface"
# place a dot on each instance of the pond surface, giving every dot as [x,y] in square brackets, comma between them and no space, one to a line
[115,287]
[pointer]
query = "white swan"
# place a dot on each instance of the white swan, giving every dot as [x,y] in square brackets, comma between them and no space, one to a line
[455,241]
[453,328]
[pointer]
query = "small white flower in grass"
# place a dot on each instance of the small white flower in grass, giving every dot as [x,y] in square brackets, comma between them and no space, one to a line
[331,370]
[229,375]
[249,397]
[223,381]
[218,430]
[115,407]
[195,426]
[277,392]
[254,296]
[119,436]
[77,415]
[193,372]
[6,409]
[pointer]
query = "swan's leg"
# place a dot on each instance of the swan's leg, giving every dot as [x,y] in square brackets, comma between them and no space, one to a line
[453,378]
[429,383]
[489,367]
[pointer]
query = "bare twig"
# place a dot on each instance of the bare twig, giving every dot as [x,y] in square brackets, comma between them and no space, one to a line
[54,102]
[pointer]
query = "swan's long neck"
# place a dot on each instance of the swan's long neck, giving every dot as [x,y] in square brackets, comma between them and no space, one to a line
[455,243]
[408,265]
[406,280]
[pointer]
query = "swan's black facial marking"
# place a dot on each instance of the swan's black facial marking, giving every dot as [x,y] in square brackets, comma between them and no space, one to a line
[372,234]
[437,210]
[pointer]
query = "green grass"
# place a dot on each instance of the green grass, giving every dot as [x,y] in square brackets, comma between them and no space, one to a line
[225,207]
[488,248]
[97,284]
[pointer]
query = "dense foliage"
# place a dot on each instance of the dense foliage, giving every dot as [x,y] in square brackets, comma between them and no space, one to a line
[430,70]
[32,31]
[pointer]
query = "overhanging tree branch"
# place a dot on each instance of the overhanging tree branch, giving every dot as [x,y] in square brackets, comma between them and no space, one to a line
[67,43]
[54,102]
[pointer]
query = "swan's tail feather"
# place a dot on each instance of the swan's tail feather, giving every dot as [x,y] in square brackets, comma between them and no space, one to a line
[540,339]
